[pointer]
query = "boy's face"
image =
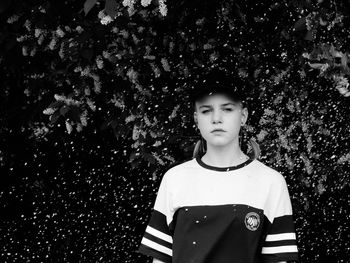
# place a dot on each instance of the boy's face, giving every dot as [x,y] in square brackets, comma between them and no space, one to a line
[219,119]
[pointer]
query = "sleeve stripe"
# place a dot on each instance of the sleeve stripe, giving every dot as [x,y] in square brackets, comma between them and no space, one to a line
[281,243]
[279,237]
[159,234]
[169,245]
[156,246]
[280,249]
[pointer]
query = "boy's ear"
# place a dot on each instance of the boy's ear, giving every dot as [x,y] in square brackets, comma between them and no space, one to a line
[244,115]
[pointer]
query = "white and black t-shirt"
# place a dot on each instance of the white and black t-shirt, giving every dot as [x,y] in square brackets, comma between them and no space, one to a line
[206,214]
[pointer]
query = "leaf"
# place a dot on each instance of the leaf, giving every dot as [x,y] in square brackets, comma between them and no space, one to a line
[64,109]
[88,5]
[54,117]
[309,36]
[300,24]
[285,34]
[149,158]
[316,65]
[109,122]
[344,60]
[111,8]
[56,104]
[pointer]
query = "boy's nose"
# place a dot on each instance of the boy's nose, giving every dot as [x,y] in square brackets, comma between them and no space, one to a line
[216,117]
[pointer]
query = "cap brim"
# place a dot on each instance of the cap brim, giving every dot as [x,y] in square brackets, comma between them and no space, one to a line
[200,92]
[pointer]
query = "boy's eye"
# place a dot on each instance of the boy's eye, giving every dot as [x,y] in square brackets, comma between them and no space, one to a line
[228,109]
[205,111]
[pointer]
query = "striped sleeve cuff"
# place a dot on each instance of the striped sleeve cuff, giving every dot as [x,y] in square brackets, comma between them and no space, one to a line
[157,241]
[156,244]
[280,243]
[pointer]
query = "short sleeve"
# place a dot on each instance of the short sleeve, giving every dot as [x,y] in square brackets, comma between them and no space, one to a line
[280,242]
[157,240]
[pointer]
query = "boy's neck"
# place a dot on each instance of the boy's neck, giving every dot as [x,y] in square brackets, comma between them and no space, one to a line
[226,156]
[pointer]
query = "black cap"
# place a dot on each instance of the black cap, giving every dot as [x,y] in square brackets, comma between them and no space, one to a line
[219,82]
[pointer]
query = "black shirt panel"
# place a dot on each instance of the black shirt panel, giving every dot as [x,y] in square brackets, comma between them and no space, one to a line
[217,234]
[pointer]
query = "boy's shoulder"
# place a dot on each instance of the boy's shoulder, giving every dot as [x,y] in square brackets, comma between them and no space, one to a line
[266,172]
[179,167]
[177,171]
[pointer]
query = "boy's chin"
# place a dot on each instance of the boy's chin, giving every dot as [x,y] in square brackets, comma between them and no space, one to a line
[219,143]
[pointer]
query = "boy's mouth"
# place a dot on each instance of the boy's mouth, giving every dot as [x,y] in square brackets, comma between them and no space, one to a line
[218,130]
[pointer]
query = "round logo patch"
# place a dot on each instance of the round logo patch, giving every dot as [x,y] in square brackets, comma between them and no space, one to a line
[252,221]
